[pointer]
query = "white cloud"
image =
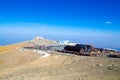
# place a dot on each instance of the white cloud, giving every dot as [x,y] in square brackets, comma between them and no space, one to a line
[108,22]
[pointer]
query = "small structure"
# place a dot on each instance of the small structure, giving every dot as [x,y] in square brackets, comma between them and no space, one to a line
[38,38]
[67,42]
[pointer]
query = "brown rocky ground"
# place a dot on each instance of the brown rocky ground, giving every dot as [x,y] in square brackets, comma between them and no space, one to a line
[22,65]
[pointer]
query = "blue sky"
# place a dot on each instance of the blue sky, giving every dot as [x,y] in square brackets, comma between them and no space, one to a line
[86,21]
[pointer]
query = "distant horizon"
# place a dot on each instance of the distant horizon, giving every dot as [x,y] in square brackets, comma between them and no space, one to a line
[15,41]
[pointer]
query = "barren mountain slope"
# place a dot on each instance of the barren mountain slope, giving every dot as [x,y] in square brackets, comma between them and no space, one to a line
[24,65]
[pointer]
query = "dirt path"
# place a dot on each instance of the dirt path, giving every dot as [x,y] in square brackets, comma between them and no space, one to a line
[40,52]
[45,54]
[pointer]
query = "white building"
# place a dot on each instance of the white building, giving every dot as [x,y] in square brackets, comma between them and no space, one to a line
[66,42]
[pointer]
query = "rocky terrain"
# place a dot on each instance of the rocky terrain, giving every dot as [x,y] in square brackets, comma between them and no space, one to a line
[18,64]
